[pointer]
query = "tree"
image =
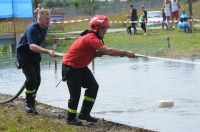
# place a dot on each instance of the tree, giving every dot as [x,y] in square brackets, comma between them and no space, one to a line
[76,3]
[90,6]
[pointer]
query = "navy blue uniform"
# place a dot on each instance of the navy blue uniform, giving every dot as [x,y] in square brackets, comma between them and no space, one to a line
[34,34]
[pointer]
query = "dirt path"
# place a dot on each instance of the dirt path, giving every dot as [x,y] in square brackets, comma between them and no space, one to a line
[59,115]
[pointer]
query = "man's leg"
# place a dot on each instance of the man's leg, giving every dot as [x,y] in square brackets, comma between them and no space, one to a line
[31,86]
[129,28]
[38,78]
[90,95]
[134,27]
[74,85]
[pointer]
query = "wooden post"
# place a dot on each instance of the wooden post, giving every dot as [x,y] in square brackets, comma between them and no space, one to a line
[191,15]
[168,42]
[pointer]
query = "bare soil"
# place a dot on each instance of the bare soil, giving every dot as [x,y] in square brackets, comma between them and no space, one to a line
[59,115]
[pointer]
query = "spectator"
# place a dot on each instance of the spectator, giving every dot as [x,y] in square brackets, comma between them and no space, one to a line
[167,10]
[128,26]
[37,10]
[144,19]
[183,23]
[164,23]
[133,17]
[175,11]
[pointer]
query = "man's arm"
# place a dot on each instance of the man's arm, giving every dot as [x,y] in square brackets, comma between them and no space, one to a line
[36,11]
[39,49]
[115,52]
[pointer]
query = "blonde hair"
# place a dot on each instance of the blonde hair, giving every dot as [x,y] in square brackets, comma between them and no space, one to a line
[43,13]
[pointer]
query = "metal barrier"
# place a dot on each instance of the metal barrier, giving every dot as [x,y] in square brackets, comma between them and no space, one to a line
[11,39]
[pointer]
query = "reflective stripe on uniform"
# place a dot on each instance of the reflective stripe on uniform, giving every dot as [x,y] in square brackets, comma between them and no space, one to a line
[71,110]
[89,99]
[29,91]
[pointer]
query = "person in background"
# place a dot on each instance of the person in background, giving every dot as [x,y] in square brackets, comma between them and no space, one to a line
[175,11]
[37,10]
[164,23]
[75,69]
[144,19]
[128,25]
[28,57]
[133,17]
[167,9]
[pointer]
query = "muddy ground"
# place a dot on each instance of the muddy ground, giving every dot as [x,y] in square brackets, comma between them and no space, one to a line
[59,115]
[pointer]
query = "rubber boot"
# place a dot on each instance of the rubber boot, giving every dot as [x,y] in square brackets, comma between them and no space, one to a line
[85,112]
[28,103]
[85,115]
[72,120]
[34,106]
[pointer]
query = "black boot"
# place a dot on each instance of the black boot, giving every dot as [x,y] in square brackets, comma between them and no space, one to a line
[28,104]
[85,115]
[34,106]
[28,108]
[72,120]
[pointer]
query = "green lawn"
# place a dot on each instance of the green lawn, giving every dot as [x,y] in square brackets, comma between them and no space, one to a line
[155,43]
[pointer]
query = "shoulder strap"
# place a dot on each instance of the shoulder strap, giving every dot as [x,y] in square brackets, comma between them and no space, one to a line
[86,32]
[89,31]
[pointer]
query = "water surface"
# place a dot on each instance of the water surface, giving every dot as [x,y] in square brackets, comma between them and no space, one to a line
[128,93]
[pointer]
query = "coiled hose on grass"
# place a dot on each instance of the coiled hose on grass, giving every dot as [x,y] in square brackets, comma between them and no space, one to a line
[14,97]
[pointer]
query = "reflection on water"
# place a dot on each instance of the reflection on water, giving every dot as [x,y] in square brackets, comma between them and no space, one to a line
[128,93]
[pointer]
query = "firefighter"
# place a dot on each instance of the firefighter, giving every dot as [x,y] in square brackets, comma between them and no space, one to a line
[28,56]
[75,69]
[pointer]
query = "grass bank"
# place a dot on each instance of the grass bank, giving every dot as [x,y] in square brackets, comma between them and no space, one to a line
[50,119]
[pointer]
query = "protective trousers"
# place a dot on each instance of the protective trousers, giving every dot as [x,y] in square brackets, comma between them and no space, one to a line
[77,78]
[32,73]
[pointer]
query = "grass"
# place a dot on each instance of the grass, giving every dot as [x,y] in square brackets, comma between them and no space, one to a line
[12,120]
[155,43]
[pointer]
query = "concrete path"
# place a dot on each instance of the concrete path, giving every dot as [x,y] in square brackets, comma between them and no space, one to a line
[109,30]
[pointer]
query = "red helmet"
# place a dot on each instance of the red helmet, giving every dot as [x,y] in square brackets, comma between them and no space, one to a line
[98,21]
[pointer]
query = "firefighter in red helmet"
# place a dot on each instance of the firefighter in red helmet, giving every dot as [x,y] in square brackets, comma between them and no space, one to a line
[75,69]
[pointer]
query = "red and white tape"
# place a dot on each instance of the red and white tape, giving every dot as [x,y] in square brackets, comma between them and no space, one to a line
[158,21]
[70,21]
[115,22]
[196,20]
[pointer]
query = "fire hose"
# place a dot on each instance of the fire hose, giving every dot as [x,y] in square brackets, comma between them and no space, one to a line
[61,55]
